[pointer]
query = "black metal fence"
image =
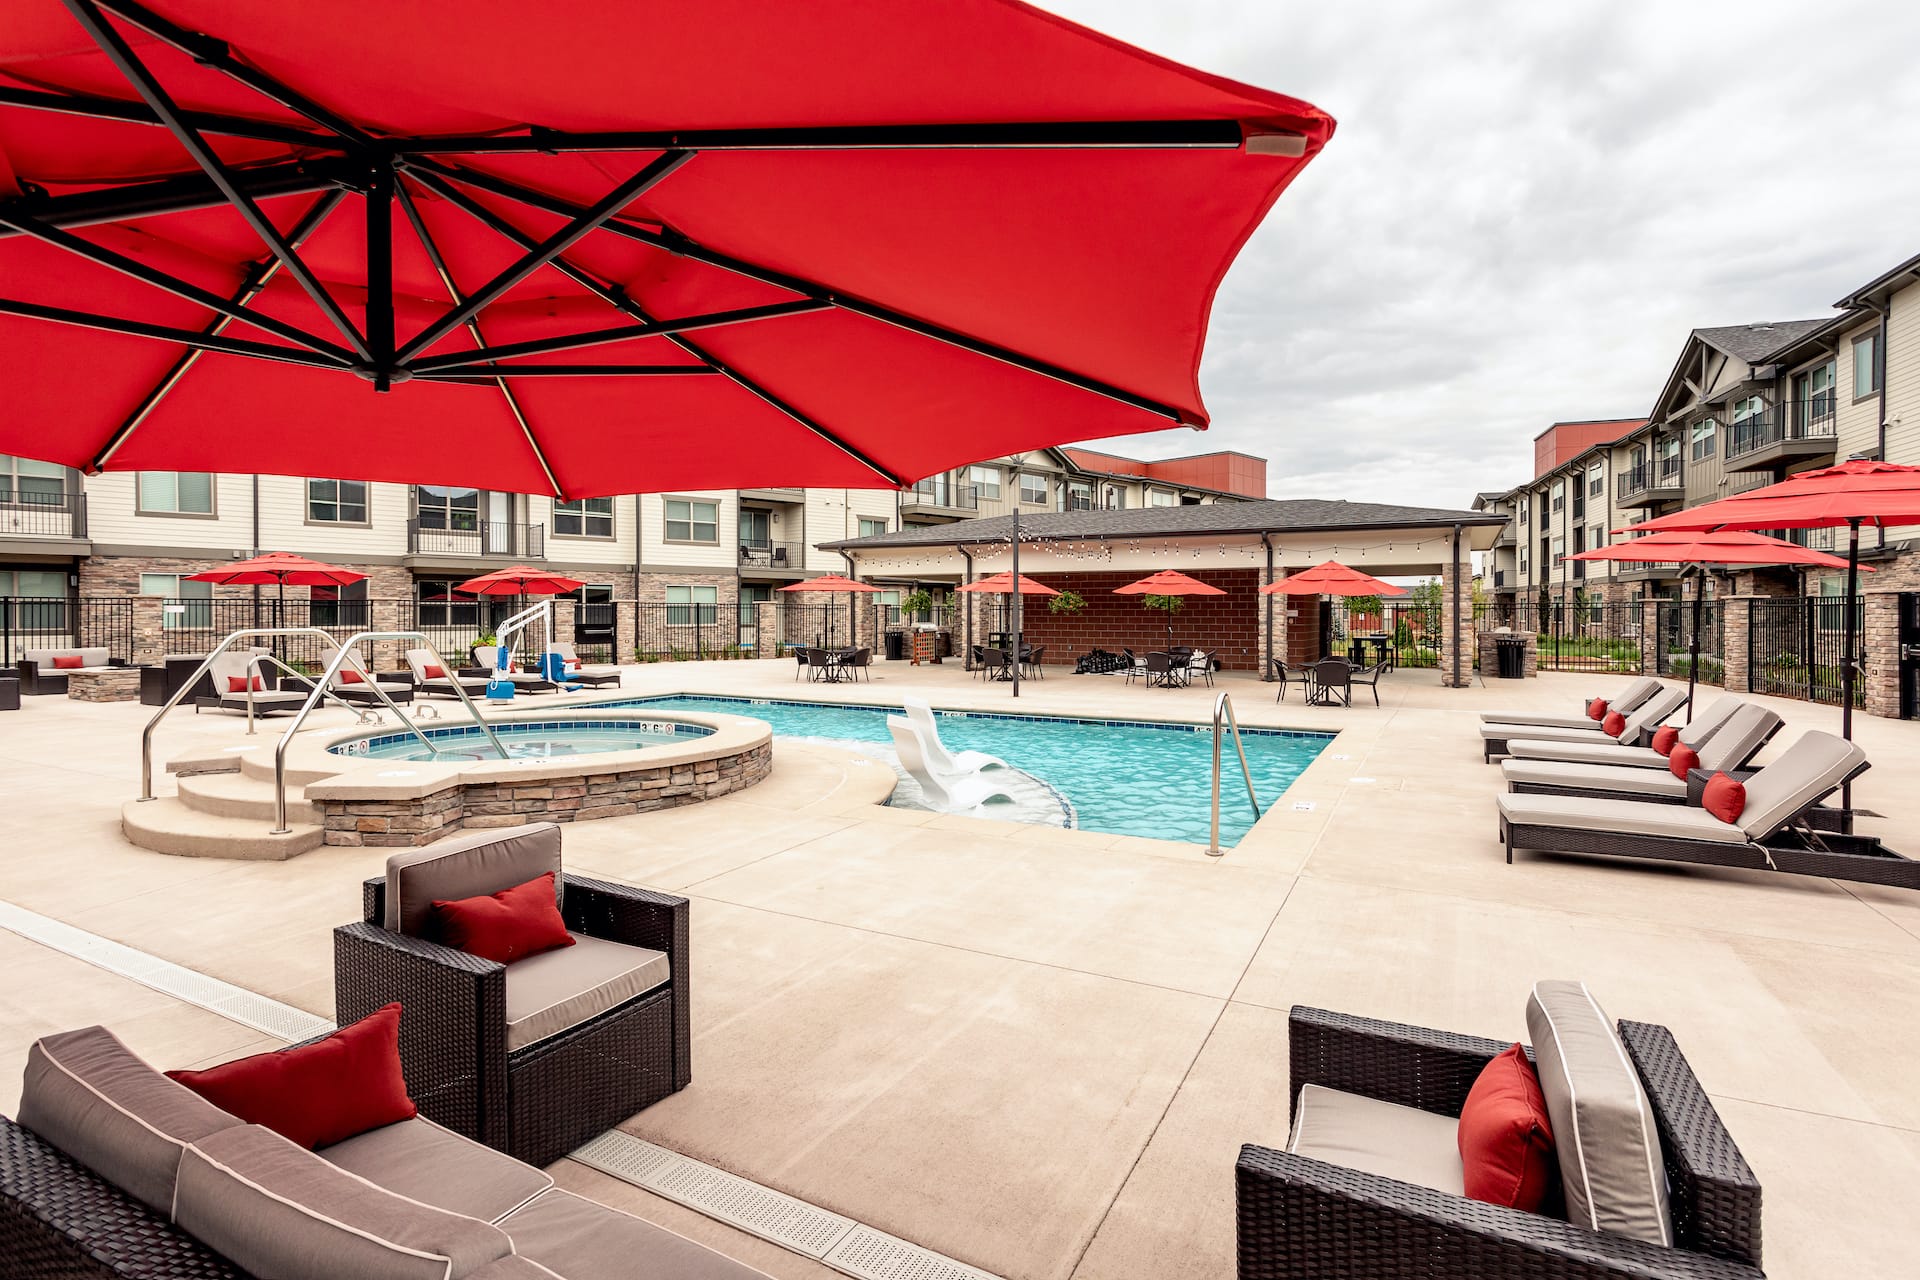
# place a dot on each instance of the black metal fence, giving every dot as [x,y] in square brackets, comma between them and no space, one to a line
[1675,640]
[1574,635]
[1794,647]
[88,622]
[1366,629]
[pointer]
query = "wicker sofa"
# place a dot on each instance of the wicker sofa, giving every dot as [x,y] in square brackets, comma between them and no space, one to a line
[1302,1217]
[39,677]
[535,1057]
[114,1170]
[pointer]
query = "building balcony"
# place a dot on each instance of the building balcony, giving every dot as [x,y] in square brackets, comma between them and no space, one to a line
[1507,537]
[774,495]
[481,540]
[1650,483]
[1780,435]
[933,498]
[33,517]
[773,557]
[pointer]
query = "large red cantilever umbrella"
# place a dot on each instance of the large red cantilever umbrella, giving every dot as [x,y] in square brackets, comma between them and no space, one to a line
[1168,582]
[1717,548]
[836,583]
[280,568]
[613,248]
[1332,578]
[520,580]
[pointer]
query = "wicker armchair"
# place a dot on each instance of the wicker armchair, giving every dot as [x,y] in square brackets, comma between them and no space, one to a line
[540,1100]
[1298,1217]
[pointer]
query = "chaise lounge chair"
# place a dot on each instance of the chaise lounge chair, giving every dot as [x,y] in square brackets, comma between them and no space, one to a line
[1604,750]
[233,674]
[1723,752]
[1640,725]
[944,795]
[352,683]
[421,662]
[1624,702]
[944,762]
[1731,746]
[579,673]
[1776,832]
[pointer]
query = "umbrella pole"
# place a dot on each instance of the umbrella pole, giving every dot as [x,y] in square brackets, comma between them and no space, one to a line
[1017,603]
[1847,664]
[1693,648]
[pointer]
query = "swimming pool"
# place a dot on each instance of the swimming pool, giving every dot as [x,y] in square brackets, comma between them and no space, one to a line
[525,740]
[1129,777]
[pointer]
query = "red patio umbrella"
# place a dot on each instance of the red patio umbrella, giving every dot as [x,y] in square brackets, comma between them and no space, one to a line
[835,583]
[1002,584]
[1718,548]
[1168,582]
[609,249]
[1331,579]
[280,567]
[520,580]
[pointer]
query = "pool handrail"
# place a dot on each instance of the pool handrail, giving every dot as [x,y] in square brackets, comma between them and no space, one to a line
[1223,710]
[253,669]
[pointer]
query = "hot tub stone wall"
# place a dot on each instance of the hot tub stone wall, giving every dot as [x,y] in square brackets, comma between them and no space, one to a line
[574,798]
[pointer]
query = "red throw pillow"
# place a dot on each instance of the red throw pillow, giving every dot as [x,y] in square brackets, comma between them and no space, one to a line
[317,1094]
[505,926]
[69,662]
[433,673]
[240,684]
[1724,798]
[1597,709]
[1665,737]
[1615,724]
[1505,1136]
[1683,759]
[349,676]
[572,664]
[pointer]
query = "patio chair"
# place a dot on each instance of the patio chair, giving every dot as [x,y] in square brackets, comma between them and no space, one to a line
[1726,751]
[1161,671]
[598,675]
[943,795]
[938,757]
[1370,677]
[430,680]
[1282,673]
[1033,663]
[1370,1181]
[1639,726]
[802,658]
[1625,702]
[1780,829]
[352,682]
[860,663]
[533,1057]
[1136,666]
[1202,663]
[233,674]
[996,664]
[1738,727]
[1333,678]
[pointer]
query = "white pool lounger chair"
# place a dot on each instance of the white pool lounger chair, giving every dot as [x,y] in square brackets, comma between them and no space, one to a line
[942,761]
[945,795]
[1650,715]
[1625,702]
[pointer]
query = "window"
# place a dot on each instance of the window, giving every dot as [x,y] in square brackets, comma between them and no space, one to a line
[693,606]
[1033,491]
[1559,551]
[1523,560]
[175,493]
[1162,498]
[1559,495]
[1670,460]
[1116,498]
[889,602]
[1596,479]
[1813,393]
[1702,439]
[336,502]
[1579,498]
[188,604]
[35,584]
[1078,496]
[448,507]
[339,606]
[872,528]
[440,605]
[691,521]
[1866,365]
[986,481]
[29,483]
[1546,556]
[584,518]
[1597,537]
[1545,518]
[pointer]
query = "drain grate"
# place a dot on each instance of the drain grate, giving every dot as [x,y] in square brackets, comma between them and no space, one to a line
[841,1243]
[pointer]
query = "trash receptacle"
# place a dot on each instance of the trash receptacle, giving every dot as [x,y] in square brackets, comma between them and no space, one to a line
[896,646]
[1511,652]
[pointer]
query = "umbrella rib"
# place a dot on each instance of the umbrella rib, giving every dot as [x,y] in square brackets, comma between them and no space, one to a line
[618,333]
[140,113]
[88,14]
[1223,135]
[427,243]
[568,371]
[179,194]
[547,250]
[257,277]
[196,338]
[681,246]
[617,297]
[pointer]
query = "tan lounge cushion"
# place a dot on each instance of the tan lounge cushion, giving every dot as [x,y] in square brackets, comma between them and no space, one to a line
[468,866]
[90,658]
[1624,702]
[1542,733]
[1805,771]
[1603,1126]
[562,988]
[1628,781]
[424,1161]
[1605,751]
[280,1211]
[90,1096]
[1737,740]
[1630,817]
[515,1267]
[1538,722]
[582,1240]
[1378,1137]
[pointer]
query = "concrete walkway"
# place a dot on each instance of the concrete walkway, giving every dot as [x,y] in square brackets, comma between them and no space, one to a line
[1039,1051]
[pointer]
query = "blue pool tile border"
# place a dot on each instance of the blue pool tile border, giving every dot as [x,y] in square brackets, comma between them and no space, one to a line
[450,733]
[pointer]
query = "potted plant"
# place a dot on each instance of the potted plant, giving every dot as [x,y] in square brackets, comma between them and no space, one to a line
[916,603]
[1068,603]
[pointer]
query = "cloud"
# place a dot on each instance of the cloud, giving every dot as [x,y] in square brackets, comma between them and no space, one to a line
[1525,209]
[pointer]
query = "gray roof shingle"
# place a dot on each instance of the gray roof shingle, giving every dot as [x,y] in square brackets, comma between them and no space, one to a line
[1755,342]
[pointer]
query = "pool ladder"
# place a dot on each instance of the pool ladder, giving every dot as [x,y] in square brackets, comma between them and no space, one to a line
[1223,719]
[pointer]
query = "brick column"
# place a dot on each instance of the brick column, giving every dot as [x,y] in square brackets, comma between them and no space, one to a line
[1461,573]
[766,630]
[1650,640]
[149,637]
[1880,654]
[1739,611]
[624,640]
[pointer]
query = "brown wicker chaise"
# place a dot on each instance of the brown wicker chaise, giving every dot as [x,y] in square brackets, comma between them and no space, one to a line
[1640,725]
[539,1099]
[1301,1218]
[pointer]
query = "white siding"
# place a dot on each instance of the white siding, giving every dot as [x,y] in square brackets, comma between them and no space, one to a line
[1903,386]
[284,527]
[1859,423]
[656,550]
[112,518]
[617,550]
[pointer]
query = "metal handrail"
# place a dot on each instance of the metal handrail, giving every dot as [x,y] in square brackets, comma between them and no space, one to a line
[253,664]
[340,657]
[1223,710]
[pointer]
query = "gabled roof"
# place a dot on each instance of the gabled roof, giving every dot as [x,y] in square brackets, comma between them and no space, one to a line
[1755,342]
[1898,278]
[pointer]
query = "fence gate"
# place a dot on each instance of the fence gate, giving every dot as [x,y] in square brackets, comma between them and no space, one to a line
[1578,636]
[1794,647]
[1675,638]
[1910,655]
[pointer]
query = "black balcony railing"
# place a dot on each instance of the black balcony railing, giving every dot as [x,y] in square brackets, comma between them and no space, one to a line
[953,497]
[482,538]
[771,555]
[1663,473]
[1798,420]
[48,515]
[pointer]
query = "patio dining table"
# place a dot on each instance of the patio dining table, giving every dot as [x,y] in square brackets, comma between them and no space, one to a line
[1319,694]
[838,666]
[1369,648]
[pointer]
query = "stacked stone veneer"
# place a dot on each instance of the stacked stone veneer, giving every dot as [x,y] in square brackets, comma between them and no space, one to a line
[512,801]
[1489,654]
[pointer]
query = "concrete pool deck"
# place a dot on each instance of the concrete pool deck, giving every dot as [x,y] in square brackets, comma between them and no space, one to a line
[1038,1051]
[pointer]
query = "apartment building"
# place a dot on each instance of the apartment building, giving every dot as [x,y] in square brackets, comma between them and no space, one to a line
[1566,508]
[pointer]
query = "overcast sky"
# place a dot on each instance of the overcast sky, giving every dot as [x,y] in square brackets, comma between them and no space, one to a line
[1524,210]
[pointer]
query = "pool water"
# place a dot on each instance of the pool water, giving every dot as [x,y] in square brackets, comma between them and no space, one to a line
[1125,777]
[525,740]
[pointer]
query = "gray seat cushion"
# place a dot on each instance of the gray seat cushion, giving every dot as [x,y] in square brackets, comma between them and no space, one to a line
[90,658]
[515,1267]
[1602,750]
[1541,722]
[1624,702]
[1735,742]
[279,1210]
[1544,733]
[1805,771]
[1628,781]
[468,866]
[1378,1137]
[1627,817]
[434,1165]
[1603,1127]
[90,1096]
[580,1240]
[558,989]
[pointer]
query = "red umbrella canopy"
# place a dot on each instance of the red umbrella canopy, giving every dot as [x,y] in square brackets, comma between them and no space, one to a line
[520,581]
[1001,584]
[282,567]
[1168,582]
[1873,493]
[613,248]
[1729,546]
[829,582]
[1331,579]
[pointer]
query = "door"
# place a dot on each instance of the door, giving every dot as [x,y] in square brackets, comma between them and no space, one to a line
[1910,655]
[756,536]
[751,595]
[498,530]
